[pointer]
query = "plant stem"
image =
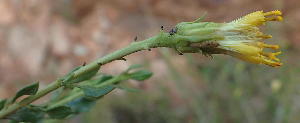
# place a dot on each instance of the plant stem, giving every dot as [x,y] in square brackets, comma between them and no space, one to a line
[161,40]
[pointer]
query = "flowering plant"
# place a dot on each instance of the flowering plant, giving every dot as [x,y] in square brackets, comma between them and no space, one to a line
[82,86]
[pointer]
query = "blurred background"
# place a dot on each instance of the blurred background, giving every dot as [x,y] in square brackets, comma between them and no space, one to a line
[44,39]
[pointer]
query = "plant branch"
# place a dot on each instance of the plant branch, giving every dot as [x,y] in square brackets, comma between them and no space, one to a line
[161,40]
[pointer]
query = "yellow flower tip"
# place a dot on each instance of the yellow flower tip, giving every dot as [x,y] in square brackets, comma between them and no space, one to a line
[271,13]
[259,58]
[271,56]
[274,18]
[275,64]
[255,18]
[253,52]
[264,36]
[277,53]
[274,47]
[279,18]
[266,61]
[263,45]
[259,18]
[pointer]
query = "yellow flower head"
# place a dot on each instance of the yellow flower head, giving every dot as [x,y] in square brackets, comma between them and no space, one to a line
[242,38]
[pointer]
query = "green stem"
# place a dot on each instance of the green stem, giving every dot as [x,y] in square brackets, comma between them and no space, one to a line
[161,40]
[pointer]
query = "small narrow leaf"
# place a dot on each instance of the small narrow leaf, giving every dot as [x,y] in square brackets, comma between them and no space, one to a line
[127,88]
[134,66]
[28,90]
[200,18]
[81,105]
[103,78]
[141,75]
[2,103]
[98,80]
[60,112]
[70,75]
[73,70]
[91,91]
[27,114]
[85,76]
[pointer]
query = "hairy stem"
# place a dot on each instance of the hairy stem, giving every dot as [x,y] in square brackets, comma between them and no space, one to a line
[161,40]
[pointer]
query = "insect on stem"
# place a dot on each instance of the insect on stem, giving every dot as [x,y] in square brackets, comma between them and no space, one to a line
[173,31]
[84,63]
[135,38]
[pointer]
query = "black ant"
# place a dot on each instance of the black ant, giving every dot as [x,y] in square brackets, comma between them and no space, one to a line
[84,63]
[173,31]
[135,38]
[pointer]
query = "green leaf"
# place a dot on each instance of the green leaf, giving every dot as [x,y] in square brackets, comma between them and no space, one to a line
[81,105]
[85,76]
[103,78]
[2,103]
[12,121]
[134,66]
[97,80]
[27,114]
[70,75]
[73,70]
[141,75]
[200,18]
[59,112]
[28,90]
[91,91]
[127,88]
